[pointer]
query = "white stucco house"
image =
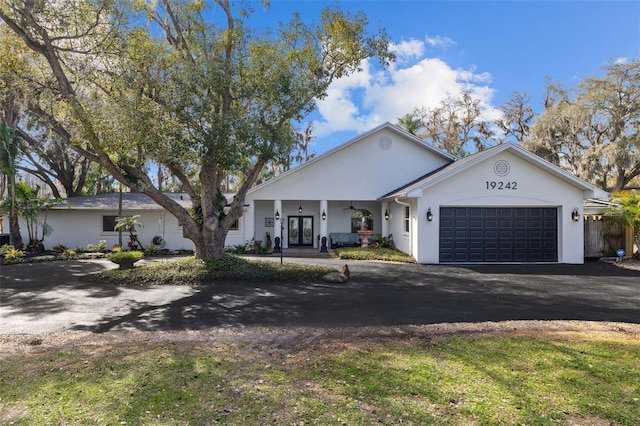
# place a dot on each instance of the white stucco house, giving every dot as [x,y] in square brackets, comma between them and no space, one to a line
[504,204]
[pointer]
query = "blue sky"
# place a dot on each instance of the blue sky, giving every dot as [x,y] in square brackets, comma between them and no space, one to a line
[490,47]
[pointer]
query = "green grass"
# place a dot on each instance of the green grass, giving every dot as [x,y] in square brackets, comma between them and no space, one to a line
[191,271]
[385,254]
[565,379]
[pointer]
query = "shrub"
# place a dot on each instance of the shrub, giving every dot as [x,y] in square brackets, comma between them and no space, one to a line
[59,248]
[126,256]
[5,248]
[12,253]
[239,249]
[68,254]
[116,249]
[101,247]
[151,250]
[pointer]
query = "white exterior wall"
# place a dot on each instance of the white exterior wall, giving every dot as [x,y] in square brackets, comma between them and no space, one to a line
[357,171]
[535,188]
[404,241]
[78,228]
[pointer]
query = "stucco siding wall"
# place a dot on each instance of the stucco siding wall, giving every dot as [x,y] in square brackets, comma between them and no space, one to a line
[404,241]
[534,187]
[78,228]
[360,171]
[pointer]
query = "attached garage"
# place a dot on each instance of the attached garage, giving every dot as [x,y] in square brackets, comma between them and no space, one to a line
[501,205]
[498,234]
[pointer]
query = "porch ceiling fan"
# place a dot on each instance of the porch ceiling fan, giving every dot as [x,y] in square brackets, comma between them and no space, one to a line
[350,207]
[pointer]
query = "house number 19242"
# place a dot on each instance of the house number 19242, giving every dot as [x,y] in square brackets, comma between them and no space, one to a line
[501,185]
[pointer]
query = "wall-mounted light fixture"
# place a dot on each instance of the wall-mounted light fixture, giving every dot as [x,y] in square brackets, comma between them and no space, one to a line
[429,214]
[324,215]
[575,215]
[277,215]
[386,215]
[300,208]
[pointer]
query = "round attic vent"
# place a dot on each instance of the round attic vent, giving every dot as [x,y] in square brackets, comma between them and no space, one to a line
[501,168]
[385,142]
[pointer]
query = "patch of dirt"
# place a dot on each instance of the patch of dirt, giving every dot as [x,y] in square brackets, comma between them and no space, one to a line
[628,263]
[287,342]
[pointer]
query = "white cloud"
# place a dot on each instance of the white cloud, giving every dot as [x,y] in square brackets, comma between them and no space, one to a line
[439,41]
[371,97]
[407,50]
[621,61]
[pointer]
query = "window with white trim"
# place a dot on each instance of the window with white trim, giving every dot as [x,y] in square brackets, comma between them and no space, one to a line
[407,219]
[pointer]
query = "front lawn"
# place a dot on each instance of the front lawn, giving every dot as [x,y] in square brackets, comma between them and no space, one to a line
[563,378]
[191,271]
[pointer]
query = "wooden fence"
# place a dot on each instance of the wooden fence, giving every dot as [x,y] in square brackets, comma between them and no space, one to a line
[603,237]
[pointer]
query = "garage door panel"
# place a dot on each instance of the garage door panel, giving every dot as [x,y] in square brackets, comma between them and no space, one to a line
[498,234]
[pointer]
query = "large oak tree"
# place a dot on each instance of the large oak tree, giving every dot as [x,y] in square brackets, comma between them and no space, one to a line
[593,130]
[187,85]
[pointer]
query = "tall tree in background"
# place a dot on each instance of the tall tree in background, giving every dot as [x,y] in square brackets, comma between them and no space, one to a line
[213,96]
[452,125]
[45,152]
[301,152]
[517,118]
[593,129]
[48,157]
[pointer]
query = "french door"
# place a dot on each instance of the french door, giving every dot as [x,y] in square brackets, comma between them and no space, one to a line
[300,230]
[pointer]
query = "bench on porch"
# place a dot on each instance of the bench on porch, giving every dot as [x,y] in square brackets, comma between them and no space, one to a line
[344,239]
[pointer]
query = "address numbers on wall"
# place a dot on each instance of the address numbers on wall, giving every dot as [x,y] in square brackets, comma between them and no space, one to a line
[501,185]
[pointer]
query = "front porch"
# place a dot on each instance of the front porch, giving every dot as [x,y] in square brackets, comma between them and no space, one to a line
[301,224]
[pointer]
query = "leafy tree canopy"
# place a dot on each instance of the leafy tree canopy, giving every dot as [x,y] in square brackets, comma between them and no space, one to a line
[185,84]
[593,130]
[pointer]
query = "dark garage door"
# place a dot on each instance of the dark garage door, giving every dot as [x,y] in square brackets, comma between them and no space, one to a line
[477,234]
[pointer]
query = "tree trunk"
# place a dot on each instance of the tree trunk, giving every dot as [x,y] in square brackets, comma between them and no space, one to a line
[210,245]
[15,238]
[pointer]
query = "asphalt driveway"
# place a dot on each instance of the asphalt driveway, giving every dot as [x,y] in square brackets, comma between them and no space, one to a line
[56,297]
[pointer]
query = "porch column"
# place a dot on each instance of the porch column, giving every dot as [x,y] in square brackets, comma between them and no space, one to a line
[277,224]
[386,223]
[324,211]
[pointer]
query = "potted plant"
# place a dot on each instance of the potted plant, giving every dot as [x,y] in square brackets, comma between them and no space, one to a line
[126,259]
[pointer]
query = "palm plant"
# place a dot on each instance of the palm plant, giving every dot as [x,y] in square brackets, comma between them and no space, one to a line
[129,224]
[627,213]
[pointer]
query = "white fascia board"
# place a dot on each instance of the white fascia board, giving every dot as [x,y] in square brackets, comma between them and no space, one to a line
[415,193]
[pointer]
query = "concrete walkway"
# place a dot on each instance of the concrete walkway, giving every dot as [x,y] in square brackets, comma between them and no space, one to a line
[56,297]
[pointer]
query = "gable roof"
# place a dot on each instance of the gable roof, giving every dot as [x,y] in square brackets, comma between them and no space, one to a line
[437,176]
[387,126]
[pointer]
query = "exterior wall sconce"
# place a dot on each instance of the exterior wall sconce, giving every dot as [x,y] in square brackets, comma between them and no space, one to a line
[429,215]
[324,215]
[300,208]
[575,215]
[386,215]
[277,215]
